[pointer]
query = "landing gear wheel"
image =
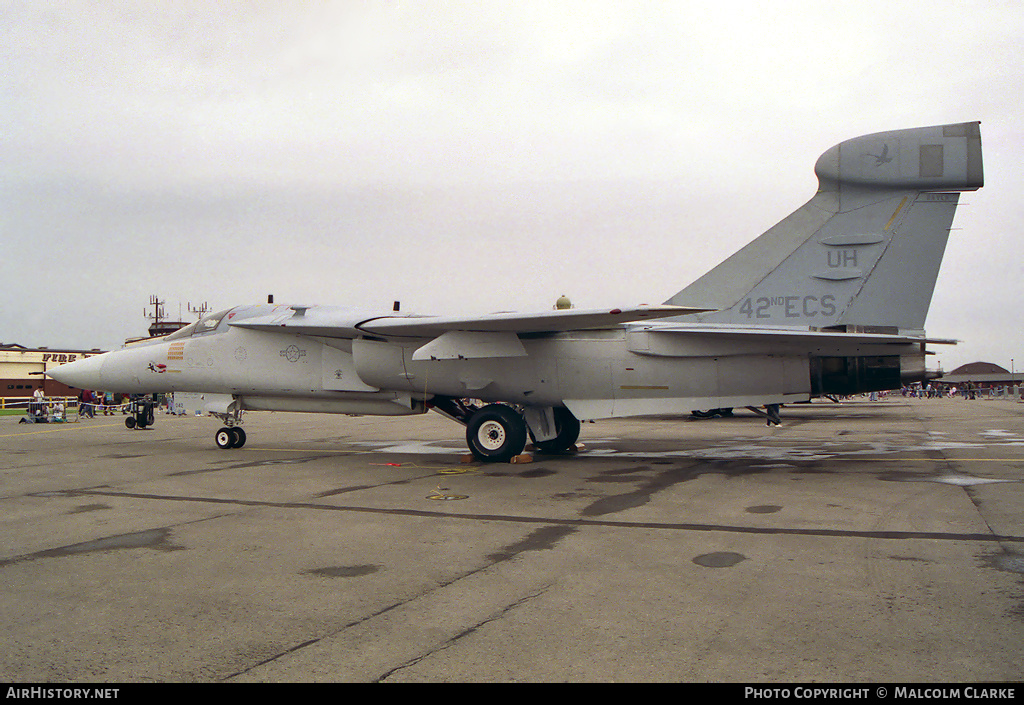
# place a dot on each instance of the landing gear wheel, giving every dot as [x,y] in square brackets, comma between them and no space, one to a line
[496,433]
[567,427]
[712,413]
[239,437]
[225,438]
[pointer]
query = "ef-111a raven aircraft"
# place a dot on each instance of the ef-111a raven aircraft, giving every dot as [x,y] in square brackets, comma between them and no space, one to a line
[831,300]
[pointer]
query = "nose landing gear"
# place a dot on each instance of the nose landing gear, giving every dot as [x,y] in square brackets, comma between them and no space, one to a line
[230,437]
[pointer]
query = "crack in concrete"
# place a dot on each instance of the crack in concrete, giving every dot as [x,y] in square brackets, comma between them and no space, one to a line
[449,643]
[540,539]
[893,535]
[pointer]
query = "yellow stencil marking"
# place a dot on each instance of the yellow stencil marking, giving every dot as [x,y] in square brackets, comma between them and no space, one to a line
[896,213]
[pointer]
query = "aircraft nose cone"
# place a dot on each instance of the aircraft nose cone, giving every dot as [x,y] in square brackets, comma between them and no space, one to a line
[84,374]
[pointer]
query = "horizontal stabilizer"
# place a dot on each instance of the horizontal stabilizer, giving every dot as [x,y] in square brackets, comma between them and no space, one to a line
[791,334]
[721,341]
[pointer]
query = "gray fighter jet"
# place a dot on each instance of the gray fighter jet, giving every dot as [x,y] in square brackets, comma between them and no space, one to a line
[832,300]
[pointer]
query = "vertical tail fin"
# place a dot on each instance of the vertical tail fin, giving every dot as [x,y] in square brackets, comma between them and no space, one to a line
[865,250]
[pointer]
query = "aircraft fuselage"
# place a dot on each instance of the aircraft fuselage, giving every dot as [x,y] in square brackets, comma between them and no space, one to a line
[623,371]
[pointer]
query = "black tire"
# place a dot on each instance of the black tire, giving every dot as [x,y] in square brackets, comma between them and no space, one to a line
[496,433]
[708,414]
[567,427]
[129,422]
[224,438]
[239,437]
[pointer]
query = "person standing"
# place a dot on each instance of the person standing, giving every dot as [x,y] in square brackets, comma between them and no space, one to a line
[87,408]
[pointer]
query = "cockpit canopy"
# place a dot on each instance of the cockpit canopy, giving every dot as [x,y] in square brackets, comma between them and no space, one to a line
[206,324]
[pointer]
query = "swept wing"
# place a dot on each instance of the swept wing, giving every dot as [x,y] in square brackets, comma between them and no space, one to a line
[343,323]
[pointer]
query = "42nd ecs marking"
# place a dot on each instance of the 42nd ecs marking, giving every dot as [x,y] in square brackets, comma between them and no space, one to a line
[791,306]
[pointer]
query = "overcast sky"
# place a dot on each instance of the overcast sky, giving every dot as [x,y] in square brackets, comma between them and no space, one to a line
[469,156]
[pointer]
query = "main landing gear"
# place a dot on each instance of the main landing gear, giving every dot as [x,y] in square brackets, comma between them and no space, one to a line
[497,433]
[567,432]
[711,413]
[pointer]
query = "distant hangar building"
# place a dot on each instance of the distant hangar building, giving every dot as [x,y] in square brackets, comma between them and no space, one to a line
[983,375]
[21,370]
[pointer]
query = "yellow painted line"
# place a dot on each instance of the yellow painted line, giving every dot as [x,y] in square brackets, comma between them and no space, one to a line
[954,459]
[67,426]
[896,213]
[306,450]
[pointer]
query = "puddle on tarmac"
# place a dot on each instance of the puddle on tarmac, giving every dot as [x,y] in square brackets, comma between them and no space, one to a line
[719,559]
